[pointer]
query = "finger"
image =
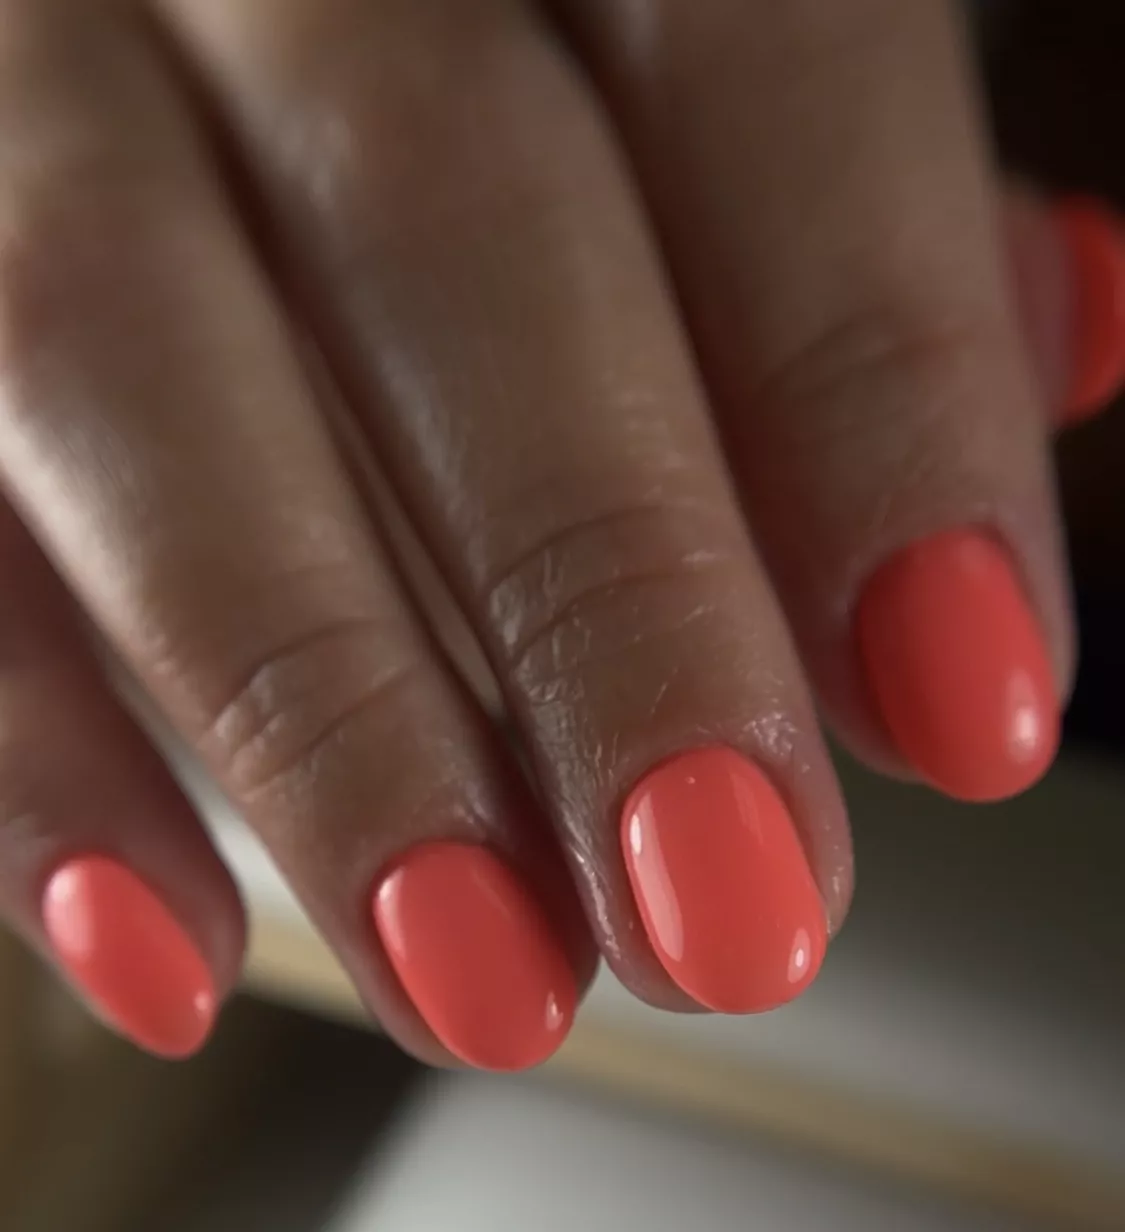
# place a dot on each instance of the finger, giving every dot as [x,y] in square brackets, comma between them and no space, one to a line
[196,505]
[1093,253]
[511,345]
[103,866]
[1045,298]
[1067,262]
[818,177]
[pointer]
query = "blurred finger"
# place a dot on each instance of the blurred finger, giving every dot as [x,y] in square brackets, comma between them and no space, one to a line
[103,866]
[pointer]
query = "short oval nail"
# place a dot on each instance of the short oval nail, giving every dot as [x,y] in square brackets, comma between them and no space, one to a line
[721,882]
[476,955]
[130,958]
[1094,243]
[958,666]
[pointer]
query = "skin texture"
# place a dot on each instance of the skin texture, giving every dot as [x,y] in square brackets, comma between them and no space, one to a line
[594,354]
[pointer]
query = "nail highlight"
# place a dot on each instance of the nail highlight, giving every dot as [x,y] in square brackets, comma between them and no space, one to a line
[1094,242]
[958,666]
[126,953]
[721,882]
[476,955]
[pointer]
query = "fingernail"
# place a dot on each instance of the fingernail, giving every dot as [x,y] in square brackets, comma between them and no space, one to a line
[721,882]
[124,950]
[1094,243]
[476,955]
[958,666]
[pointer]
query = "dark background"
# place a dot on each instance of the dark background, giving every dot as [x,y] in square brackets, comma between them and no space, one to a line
[1055,76]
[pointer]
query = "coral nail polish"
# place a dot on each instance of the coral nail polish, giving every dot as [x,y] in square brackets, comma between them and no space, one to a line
[128,955]
[476,955]
[1094,242]
[958,666]
[721,882]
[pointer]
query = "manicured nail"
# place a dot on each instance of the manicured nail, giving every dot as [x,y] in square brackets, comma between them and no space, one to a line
[123,949]
[476,955]
[721,882]
[1094,242]
[958,666]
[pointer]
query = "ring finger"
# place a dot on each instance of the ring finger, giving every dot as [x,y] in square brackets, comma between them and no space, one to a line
[821,186]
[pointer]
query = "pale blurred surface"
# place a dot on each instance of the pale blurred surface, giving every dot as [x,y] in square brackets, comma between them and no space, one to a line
[482,1155]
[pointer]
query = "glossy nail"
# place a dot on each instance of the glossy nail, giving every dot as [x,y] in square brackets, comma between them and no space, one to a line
[721,882]
[126,953]
[958,666]
[476,955]
[1094,243]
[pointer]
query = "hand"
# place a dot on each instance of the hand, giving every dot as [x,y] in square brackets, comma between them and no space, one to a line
[684,336]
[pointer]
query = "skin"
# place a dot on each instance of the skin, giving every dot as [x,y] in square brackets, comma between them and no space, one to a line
[656,326]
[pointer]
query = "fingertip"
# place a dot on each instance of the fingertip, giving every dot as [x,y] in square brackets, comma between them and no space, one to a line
[1092,236]
[958,666]
[476,954]
[722,885]
[129,957]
